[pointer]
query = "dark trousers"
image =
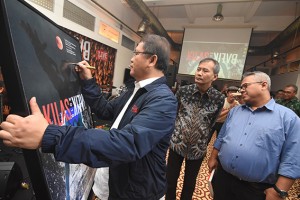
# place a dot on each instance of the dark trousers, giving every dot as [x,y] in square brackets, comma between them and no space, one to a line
[190,175]
[229,187]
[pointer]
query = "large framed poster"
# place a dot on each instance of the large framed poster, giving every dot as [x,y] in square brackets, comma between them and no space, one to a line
[35,61]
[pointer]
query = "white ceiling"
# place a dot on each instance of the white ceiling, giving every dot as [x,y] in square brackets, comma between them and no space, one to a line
[267,17]
[237,12]
[263,15]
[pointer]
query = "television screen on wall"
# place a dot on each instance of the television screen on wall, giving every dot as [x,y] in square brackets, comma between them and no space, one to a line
[36,56]
[229,46]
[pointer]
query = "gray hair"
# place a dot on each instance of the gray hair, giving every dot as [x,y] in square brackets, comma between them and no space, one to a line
[259,76]
[159,46]
[216,63]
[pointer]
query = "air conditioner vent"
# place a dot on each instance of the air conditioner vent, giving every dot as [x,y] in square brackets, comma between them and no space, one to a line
[78,15]
[48,4]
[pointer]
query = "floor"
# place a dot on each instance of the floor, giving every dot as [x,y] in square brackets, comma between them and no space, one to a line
[202,192]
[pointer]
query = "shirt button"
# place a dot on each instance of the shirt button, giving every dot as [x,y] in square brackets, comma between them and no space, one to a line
[245,133]
[241,144]
[236,156]
[249,123]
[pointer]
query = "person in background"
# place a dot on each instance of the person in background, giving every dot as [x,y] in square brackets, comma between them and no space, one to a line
[224,89]
[229,103]
[135,148]
[289,98]
[199,106]
[5,109]
[279,95]
[238,97]
[257,151]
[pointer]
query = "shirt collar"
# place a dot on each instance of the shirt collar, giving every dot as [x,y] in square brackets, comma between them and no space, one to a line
[269,105]
[208,92]
[145,82]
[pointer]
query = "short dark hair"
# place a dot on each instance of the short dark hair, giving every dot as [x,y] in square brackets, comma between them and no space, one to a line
[293,86]
[160,47]
[216,63]
[280,90]
[232,88]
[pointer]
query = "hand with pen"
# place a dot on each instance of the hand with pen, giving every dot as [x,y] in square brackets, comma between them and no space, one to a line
[83,69]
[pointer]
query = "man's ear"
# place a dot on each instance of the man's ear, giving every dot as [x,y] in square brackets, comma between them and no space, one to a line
[265,85]
[153,60]
[215,77]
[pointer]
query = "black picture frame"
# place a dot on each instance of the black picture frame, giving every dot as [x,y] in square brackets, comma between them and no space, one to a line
[35,58]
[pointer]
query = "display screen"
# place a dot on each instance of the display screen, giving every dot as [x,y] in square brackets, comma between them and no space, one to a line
[36,57]
[228,46]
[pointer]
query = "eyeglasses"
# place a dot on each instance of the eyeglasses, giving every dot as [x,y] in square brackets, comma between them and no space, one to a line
[245,85]
[135,53]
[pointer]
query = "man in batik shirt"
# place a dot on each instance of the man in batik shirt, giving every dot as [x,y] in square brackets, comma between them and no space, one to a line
[199,105]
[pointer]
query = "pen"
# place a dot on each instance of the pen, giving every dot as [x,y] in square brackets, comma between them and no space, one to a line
[89,67]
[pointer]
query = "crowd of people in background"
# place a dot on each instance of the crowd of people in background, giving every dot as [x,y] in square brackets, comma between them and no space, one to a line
[232,99]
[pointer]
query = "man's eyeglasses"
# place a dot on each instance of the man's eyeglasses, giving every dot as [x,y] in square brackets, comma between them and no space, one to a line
[245,85]
[135,53]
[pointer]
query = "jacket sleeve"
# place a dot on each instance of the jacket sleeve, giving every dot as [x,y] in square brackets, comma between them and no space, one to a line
[96,148]
[95,99]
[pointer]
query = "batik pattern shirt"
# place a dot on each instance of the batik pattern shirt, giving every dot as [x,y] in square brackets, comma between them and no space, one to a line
[196,115]
[293,104]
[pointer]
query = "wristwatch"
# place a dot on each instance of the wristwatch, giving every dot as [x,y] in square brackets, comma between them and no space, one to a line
[283,194]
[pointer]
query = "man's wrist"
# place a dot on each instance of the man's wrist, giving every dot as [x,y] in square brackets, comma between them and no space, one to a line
[282,193]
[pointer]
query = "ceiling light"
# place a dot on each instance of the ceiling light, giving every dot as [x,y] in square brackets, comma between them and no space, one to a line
[275,54]
[218,16]
[143,26]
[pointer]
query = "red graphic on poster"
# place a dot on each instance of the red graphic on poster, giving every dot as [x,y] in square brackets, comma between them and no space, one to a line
[102,55]
[59,43]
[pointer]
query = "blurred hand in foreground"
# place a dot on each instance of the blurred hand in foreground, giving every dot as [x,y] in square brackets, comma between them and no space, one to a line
[24,132]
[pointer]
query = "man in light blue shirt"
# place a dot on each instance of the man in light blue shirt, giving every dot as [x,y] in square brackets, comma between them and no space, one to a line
[257,151]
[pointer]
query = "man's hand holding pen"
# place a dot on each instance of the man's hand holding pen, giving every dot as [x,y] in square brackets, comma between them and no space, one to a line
[83,69]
